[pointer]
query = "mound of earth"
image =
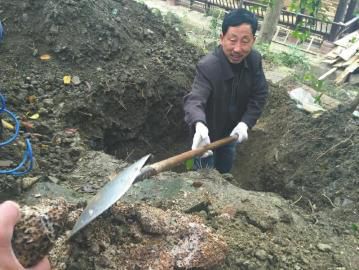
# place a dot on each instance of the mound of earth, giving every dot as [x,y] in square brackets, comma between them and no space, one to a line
[129,72]
[142,237]
[312,160]
[172,219]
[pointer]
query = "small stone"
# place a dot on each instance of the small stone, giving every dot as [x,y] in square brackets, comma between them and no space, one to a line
[347,202]
[261,254]
[149,31]
[25,86]
[95,248]
[5,163]
[337,201]
[54,29]
[203,214]
[53,179]
[76,80]
[35,52]
[48,102]
[304,260]
[43,111]
[197,184]
[228,177]
[27,182]
[324,247]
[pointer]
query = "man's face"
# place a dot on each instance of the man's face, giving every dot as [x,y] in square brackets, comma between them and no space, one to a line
[237,43]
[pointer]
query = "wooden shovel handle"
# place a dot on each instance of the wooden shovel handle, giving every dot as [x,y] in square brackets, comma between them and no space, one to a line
[171,162]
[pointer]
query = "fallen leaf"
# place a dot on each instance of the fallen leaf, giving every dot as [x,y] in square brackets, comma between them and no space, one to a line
[35,116]
[45,57]
[26,124]
[7,125]
[67,79]
[31,99]
[71,131]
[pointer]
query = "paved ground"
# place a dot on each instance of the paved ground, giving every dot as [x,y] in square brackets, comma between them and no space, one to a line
[192,17]
[198,25]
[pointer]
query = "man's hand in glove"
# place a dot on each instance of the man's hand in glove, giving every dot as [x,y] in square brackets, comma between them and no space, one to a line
[201,138]
[241,131]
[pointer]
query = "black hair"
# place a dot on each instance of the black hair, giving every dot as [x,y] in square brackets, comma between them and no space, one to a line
[238,16]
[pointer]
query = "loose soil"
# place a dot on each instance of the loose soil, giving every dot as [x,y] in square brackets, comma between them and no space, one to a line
[291,203]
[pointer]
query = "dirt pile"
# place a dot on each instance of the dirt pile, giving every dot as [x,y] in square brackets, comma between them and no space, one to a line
[313,160]
[131,71]
[88,31]
[142,237]
[261,230]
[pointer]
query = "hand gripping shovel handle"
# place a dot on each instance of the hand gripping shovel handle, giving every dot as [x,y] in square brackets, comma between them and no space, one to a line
[172,162]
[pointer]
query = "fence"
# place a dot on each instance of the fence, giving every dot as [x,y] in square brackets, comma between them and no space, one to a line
[327,29]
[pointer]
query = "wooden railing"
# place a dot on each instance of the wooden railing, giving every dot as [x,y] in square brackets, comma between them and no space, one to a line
[321,27]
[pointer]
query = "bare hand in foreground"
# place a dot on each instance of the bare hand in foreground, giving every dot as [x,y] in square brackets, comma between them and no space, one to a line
[9,216]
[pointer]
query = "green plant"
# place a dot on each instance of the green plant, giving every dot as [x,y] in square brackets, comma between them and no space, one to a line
[156,12]
[294,58]
[189,164]
[299,34]
[215,12]
[175,21]
[171,18]
[310,79]
[312,8]
[267,54]
[217,16]
[353,40]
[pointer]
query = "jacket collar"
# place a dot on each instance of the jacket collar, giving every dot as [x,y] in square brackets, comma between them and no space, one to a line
[226,67]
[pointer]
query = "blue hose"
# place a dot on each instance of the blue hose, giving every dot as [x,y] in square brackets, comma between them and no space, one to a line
[27,161]
[1,32]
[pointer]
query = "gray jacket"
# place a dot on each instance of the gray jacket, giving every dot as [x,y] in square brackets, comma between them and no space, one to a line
[221,98]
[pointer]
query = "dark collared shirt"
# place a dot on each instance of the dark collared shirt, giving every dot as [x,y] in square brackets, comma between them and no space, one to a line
[221,98]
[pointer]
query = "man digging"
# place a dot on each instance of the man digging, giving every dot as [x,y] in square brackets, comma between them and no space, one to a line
[228,92]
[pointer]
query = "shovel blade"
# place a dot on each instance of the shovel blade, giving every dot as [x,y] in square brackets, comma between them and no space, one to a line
[109,194]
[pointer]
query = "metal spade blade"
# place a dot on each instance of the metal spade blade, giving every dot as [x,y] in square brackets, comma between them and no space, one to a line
[109,194]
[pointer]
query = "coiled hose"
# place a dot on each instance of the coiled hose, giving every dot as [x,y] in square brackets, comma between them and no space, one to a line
[27,161]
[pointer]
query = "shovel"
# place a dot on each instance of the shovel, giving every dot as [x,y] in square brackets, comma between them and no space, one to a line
[116,188]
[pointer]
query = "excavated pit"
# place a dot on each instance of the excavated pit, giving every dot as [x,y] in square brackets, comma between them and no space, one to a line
[133,70]
[133,74]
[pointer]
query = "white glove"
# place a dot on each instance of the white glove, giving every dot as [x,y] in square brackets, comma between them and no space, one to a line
[201,138]
[241,131]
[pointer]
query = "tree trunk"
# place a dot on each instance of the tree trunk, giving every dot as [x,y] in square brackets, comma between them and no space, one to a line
[240,4]
[350,11]
[270,21]
[339,17]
